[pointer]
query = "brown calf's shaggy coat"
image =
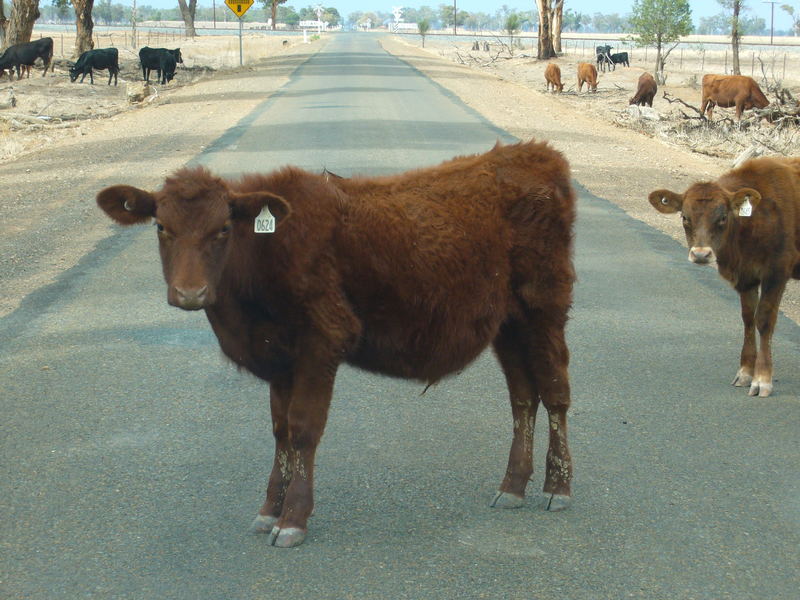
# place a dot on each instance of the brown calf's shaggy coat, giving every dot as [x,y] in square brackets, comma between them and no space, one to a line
[409,275]
[731,90]
[750,220]
[587,73]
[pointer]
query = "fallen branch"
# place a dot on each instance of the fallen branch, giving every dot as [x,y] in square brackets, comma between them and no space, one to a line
[671,100]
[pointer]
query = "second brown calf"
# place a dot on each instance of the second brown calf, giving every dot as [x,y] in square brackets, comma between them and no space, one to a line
[749,219]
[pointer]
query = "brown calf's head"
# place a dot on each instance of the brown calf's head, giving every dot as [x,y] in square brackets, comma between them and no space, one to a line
[197,217]
[709,213]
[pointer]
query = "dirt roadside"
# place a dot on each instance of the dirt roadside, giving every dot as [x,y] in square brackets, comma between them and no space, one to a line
[48,220]
[612,162]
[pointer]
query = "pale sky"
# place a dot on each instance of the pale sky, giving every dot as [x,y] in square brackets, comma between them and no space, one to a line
[700,8]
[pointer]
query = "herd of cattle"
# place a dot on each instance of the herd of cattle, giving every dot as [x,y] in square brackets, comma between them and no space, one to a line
[23,56]
[726,91]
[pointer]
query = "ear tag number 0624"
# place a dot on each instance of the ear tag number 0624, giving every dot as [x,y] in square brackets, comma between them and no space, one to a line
[265,222]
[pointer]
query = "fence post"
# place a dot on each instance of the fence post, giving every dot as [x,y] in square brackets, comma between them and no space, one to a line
[726,63]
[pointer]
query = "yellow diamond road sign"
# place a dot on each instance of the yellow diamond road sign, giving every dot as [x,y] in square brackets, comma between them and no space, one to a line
[239,7]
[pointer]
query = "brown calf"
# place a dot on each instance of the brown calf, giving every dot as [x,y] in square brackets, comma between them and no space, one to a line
[750,220]
[731,90]
[552,75]
[587,73]
[411,275]
[645,91]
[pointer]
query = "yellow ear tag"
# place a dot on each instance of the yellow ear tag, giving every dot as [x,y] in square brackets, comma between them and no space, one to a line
[265,222]
[746,209]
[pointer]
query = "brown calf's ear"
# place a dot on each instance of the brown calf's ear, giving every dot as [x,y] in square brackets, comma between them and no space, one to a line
[744,201]
[127,205]
[248,206]
[665,201]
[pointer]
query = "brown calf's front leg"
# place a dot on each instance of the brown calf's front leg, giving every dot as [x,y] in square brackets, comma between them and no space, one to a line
[766,316]
[310,398]
[747,361]
[279,396]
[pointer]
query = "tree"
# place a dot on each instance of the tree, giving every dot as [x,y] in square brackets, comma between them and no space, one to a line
[273,5]
[20,26]
[556,19]
[188,12]
[735,6]
[84,25]
[545,48]
[423,26]
[574,21]
[3,23]
[512,26]
[658,23]
[788,8]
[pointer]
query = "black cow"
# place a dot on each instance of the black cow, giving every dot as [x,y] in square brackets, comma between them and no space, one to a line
[25,54]
[166,67]
[603,54]
[151,59]
[105,58]
[620,58]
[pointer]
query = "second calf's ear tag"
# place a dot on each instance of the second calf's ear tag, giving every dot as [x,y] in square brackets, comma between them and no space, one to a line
[265,222]
[746,209]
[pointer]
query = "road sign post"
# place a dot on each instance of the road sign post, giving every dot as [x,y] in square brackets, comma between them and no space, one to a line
[239,7]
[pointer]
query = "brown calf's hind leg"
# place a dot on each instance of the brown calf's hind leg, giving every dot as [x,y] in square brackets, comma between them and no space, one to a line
[549,367]
[766,316]
[511,353]
[535,359]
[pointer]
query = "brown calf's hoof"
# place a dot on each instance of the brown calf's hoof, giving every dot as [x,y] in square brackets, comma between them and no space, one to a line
[556,502]
[760,389]
[263,524]
[507,500]
[742,379]
[287,537]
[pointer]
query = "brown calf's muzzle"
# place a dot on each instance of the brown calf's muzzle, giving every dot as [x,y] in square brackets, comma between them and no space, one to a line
[188,298]
[701,255]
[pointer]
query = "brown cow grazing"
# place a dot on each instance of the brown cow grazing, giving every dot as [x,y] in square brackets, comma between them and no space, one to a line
[410,275]
[587,73]
[645,91]
[552,75]
[750,220]
[731,90]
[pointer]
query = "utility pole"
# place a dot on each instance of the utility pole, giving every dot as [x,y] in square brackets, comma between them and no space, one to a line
[454,17]
[772,19]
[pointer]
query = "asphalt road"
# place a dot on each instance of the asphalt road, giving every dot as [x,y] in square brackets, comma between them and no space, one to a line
[134,456]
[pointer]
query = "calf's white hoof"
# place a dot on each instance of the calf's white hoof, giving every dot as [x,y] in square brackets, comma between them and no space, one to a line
[507,500]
